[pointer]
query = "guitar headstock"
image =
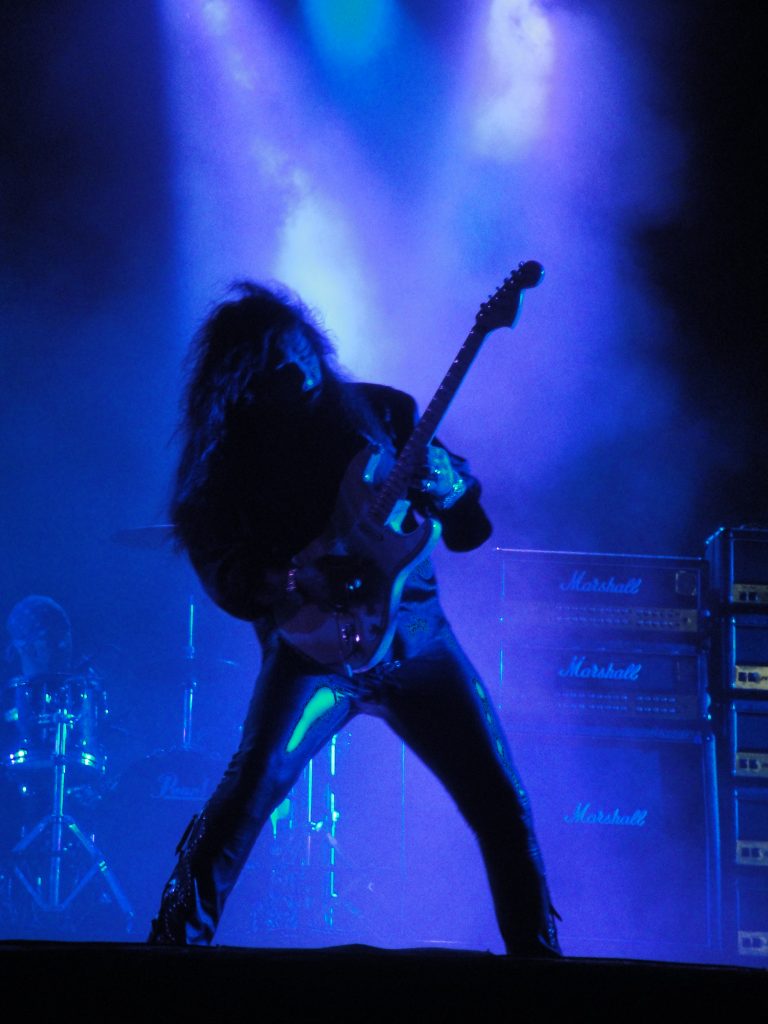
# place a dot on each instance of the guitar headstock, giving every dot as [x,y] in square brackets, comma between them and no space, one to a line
[502,307]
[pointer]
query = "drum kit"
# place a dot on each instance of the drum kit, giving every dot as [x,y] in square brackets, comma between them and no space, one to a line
[87,855]
[54,769]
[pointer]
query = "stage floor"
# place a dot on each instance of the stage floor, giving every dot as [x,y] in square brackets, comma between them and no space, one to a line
[119,981]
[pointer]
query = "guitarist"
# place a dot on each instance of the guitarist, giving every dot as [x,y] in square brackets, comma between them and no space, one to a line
[269,426]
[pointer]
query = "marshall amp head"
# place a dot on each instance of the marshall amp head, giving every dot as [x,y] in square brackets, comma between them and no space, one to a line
[738,560]
[638,598]
[588,685]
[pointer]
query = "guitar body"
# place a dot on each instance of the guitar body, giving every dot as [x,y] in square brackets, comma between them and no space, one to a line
[353,631]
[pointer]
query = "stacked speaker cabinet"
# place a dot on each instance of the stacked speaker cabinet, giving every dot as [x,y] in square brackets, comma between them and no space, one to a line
[738,559]
[603,694]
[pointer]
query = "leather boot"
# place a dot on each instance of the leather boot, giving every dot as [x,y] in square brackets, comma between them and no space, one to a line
[543,945]
[182,919]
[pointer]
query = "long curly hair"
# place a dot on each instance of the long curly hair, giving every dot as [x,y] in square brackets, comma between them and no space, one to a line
[227,368]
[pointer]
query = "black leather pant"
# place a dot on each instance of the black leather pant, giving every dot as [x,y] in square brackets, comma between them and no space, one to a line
[436,703]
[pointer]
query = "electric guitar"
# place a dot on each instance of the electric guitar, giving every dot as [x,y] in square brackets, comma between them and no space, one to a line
[352,632]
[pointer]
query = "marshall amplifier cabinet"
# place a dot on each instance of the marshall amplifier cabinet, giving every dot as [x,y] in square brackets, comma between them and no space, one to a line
[740,653]
[603,686]
[738,560]
[750,827]
[628,831]
[748,736]
[744,820]
[751,927]
[635,598]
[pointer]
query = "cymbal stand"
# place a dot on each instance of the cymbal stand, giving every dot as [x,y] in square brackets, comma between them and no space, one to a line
[59,825]
[322,830]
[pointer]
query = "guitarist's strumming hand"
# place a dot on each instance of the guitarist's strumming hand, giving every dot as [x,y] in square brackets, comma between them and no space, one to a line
[329,582]
[439,480]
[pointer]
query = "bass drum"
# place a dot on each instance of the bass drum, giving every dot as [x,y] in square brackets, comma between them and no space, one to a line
[142,817]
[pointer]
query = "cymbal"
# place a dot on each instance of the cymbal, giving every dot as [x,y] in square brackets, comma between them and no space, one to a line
[145,536]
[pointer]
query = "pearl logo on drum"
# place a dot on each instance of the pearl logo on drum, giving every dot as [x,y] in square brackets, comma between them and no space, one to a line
[170,788]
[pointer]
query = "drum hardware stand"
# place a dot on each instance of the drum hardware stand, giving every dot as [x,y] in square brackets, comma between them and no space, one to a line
[301,887]
[333,818]
[191,684]
[59,824]
[323,827]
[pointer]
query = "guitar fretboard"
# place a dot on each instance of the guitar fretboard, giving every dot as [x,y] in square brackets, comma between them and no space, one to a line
[500,310]
[413,451]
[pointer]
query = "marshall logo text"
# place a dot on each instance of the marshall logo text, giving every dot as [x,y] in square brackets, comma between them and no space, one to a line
[579,582]
[580,668]
[583,815]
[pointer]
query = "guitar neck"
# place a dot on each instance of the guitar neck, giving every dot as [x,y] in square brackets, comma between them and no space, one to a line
[501,310]
[413,451]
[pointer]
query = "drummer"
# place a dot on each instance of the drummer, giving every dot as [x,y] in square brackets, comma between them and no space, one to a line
[40,636]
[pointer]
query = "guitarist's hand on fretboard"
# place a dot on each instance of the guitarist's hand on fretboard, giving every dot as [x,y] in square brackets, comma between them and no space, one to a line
[438,478]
